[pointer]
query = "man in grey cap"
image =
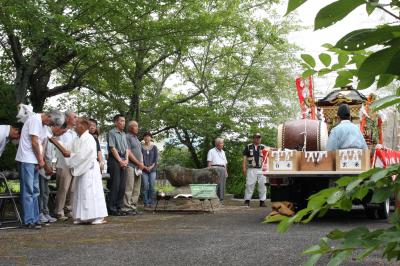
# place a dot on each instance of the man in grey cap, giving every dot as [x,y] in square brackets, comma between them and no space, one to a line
[345,135]
[252,163]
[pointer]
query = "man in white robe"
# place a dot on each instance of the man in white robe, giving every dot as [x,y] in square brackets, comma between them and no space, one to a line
[89,205]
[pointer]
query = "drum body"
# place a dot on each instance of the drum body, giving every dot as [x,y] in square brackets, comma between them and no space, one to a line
[294,134]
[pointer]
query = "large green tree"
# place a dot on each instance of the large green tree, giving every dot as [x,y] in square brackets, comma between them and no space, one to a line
[227,81]
[50,47]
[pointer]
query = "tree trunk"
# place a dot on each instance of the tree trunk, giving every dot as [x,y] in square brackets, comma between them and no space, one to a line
[206,146]
[137,84]
[39,89]
[21,84]
[193,153]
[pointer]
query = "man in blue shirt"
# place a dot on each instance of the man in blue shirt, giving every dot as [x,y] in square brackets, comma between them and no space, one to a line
[345,135]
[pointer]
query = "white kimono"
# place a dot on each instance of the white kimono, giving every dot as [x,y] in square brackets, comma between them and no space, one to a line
[89,202]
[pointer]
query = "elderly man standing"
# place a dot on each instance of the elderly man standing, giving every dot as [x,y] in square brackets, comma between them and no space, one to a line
[8,133]
[252,162]
[216,158]
[30,160]
[134,170]
[118,162]
[45,174]
[65,180]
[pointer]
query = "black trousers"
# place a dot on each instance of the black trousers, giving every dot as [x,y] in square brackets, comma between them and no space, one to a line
[117,184]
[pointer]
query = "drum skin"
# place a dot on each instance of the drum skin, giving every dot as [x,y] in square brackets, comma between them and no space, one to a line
[291,135]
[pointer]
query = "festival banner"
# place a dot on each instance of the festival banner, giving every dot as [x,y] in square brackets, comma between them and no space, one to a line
[306,97]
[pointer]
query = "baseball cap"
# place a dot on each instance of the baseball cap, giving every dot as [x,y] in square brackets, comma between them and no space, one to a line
[256,135]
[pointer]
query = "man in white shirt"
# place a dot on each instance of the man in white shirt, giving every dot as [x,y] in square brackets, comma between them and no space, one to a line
[216,158]
[30,159]
[8,133]
[65,180]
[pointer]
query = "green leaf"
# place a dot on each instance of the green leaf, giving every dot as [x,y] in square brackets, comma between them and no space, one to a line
[324,71]
[381,194]
[367,252]
[385,102]
[357,232]
[308,59]
[345,180]
[312,250]
[385,80]
[313,260]
[343,59]
[273,219]
[361,193]
[384,61]
[336,66]
[335,197]
[338,258]
[323,211]
[364,38]
[283,225]
[353,185]
[358,60]
[307,73]
[379,175]
[325,59]
[334,12]
[346,204]
[389,247]
[327,46]
[343,78]
[294,4]
[365,82]
[311,216]
[370,8]
[336,234]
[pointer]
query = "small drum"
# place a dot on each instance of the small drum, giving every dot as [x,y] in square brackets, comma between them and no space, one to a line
[294,134]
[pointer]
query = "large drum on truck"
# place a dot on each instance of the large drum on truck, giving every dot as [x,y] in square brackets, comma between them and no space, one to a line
[297,133]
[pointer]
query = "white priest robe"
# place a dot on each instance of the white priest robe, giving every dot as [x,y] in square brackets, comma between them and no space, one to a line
[89,202]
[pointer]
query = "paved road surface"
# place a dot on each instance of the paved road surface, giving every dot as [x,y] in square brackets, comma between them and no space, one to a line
[233,235]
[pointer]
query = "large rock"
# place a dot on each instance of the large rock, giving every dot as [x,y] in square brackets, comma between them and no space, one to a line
[180,176]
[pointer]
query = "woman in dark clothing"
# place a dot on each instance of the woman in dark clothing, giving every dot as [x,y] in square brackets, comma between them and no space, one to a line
[150,156]
[95,133]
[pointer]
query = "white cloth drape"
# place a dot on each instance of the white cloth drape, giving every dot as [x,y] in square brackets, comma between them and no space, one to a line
[89,202]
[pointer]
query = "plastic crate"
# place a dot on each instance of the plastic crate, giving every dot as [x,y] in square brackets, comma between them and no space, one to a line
[208,191]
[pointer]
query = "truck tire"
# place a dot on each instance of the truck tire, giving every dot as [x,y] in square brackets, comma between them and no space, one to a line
[384,209]
[380,211]
[371,213]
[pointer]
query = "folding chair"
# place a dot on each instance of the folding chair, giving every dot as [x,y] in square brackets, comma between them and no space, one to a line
[6,197]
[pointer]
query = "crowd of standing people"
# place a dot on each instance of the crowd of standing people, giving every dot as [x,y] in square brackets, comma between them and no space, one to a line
[73,143]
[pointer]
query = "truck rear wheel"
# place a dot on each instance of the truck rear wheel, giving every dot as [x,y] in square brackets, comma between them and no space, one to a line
[384,209]
[378,212]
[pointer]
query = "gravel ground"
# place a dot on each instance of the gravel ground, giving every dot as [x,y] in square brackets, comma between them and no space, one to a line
[233,235]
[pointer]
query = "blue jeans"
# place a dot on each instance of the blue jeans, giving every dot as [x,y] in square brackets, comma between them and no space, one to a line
[29,188]
[149,182]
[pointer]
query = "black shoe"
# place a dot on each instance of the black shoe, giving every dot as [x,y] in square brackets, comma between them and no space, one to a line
[121,213]
[130,213]
[33,226]
[113,213]
[247,203]
[262,203]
